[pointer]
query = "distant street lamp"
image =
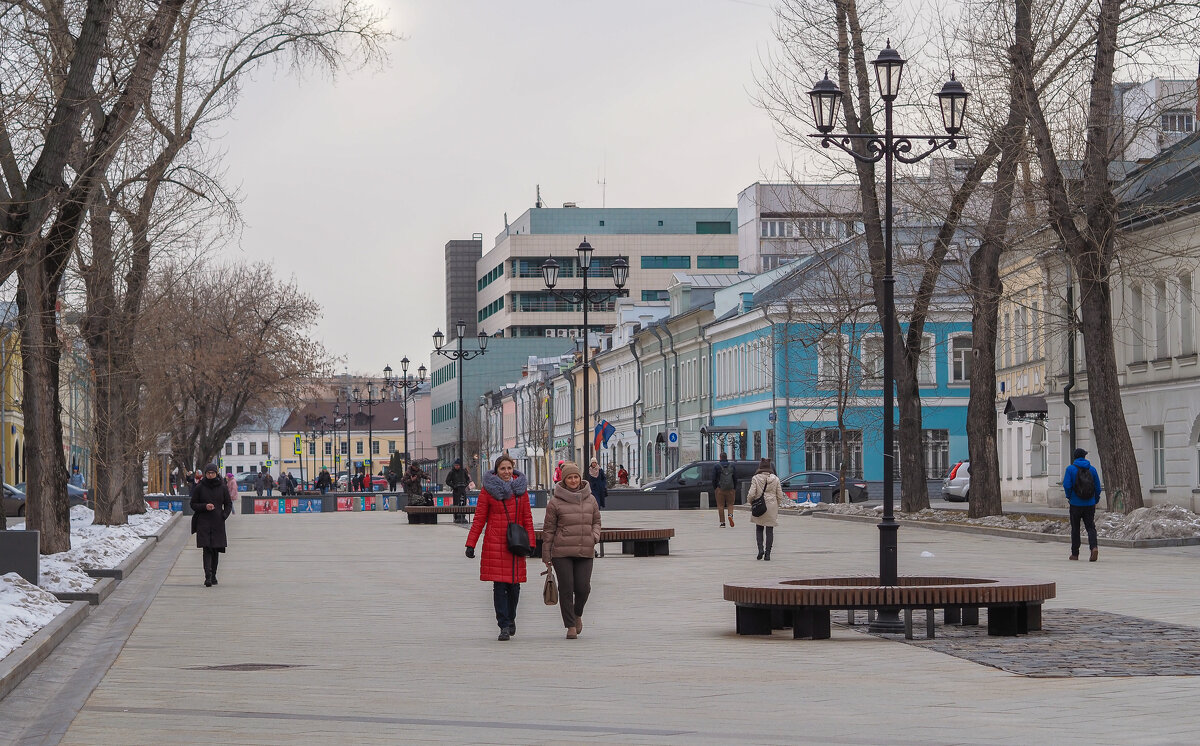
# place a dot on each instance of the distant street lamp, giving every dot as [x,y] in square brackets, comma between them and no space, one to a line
[369,399]
[404,384]
[585,297]
[890,147]
[458,355]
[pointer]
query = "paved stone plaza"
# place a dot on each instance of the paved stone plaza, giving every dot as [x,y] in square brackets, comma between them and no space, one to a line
[388,636]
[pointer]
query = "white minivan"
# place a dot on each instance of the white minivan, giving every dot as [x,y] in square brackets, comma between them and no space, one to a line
[957,484]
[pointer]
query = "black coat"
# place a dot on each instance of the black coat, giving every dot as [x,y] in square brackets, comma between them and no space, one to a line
[599,486]
[209,525]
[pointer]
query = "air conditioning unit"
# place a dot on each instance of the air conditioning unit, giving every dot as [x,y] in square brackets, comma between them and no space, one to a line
[550,333]
[572,332]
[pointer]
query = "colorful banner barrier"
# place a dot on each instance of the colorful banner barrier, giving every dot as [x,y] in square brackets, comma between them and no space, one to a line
[175,506]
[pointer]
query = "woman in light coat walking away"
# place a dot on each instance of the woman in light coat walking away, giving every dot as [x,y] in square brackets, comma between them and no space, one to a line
[570,533]
[231,485]
[766,485]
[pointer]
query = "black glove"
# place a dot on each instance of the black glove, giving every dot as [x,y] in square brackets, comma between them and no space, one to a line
[471,552]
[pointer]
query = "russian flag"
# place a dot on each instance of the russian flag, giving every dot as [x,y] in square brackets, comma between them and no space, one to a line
[604,431]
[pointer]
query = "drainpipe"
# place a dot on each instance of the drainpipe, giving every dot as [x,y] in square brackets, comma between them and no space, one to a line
[774,393]
[708,344]
[1070,357]
[637,422]
[675,355]
[571,390]
[662,352]
[589,433]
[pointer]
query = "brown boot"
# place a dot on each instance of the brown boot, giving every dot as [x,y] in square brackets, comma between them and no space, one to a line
[578,625]
[571,633]
[731,519]
[1073,557]
[1095,555]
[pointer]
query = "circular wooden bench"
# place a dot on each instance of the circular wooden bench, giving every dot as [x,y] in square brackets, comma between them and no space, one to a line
[430,513]
[1014,606]
[640,542]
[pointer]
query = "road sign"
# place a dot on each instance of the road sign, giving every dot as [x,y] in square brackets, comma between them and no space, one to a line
[270,462]
[297,448]
[672,438]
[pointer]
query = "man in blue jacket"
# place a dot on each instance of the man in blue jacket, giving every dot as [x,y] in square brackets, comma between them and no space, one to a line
[1081,482]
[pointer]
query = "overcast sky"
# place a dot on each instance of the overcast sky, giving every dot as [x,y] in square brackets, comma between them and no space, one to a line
[355,185]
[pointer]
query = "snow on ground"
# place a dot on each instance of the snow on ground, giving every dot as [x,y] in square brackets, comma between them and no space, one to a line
[24,609]
[1158,522]
[94,547]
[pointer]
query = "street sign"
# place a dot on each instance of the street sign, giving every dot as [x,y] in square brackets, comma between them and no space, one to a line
[297,448]
[672,438]
[270,462]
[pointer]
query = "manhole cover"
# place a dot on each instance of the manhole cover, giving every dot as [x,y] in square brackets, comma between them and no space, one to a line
[245,667]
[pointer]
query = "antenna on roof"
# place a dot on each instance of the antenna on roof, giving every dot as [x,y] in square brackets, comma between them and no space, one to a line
[603,182]
[506,223]
[538,203]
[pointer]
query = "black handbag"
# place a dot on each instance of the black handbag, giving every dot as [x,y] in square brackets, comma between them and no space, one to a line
[517,537]
[758,506]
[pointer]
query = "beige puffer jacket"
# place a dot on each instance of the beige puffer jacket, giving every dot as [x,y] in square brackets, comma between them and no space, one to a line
[572,524]
[767,484]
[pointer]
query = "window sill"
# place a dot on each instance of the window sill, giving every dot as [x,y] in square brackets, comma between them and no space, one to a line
[1162,363]
[1158,490]
[1187,359]
[1139,367]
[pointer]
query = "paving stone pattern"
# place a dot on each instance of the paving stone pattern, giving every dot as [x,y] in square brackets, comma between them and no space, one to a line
[1073,643]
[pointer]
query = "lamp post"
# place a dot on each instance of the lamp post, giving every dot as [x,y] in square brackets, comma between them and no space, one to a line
[458,355]
[344,396]
[890,147]
[585,297]
[369,399]
[404,383]
[318,428]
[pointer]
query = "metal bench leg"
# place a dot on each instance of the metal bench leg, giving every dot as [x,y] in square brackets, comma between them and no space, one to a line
[908,634]
[753,621]
[1002,621]
[870,615]
[930,618]
[850,614]
[952,615]
[970,616]
[810,623]
[1033,617]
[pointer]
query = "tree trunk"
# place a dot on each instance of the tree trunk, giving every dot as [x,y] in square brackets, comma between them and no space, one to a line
[110,450]
[46,507]
[134,453]
[914,489]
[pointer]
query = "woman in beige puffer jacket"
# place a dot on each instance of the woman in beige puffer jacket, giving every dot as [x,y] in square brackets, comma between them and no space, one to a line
[570,533]
[765,483]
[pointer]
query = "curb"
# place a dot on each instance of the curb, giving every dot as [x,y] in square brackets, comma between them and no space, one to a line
[18,664]
[100,591]
[162,531]
[1014,534]
[133,560]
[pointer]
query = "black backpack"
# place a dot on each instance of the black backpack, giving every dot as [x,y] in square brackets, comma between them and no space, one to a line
[1085,486]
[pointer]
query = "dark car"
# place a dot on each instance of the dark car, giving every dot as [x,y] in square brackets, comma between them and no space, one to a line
[689,481]
[14,498]
[825,481]
[246,482]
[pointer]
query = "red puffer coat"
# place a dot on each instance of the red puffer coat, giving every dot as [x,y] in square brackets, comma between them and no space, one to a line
[498,564]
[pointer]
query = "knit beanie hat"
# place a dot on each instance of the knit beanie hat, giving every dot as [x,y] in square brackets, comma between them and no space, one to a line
[569,468]
[1079,453]
[764,464]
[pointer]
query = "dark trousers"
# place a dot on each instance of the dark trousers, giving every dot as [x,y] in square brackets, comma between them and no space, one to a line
[1088,514]
[769,531]
[211,558]
[505,597]
[574,576]
[460,498]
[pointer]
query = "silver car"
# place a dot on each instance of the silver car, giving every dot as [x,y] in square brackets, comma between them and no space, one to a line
[957,484]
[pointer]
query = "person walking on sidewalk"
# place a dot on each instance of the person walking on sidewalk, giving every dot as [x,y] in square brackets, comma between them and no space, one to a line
[1081,482]
[458,480]
[504,499]
[597,480]
[570,533]
[211,505]
[231,485]
[765,484]
[324,481]
[725,487]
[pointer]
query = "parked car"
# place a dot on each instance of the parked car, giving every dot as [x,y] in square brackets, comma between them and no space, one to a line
[956,486]
[697,477]
[14,498]
[247,481]
[814,480]
[14,502]
[379,483]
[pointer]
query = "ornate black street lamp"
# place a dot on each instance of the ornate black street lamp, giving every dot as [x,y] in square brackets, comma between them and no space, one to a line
[890,147]
[458,355]
[367,398]
[585,297]
[404,384]
[318,428]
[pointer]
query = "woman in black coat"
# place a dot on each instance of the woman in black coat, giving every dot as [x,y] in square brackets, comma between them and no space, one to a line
[211,505]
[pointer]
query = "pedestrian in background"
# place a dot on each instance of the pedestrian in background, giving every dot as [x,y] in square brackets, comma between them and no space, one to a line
[258,483]
[269,483]
[324,481]
[765,484]
[231,484]
[211,505]
[504,499]
[458,480]
[1081,482]
[622,475]
[570,533]
[597,480]
[558,472]
[725,488]
[76,477]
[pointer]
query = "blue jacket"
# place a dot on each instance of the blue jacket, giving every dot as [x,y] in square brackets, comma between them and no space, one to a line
[1069,482]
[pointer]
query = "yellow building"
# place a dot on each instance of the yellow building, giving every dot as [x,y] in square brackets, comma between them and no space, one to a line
[336,448]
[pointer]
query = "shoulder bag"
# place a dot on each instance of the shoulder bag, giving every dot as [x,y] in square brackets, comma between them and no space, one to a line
[550,589]
[516,536]
[758,505]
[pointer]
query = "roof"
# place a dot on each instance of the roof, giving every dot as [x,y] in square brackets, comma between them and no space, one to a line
[1168,184]
[698,280]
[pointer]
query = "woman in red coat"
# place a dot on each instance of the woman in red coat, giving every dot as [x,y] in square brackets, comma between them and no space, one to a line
[504,499]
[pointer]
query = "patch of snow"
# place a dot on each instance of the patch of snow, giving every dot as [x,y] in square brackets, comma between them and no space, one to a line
[24,609]
[926,554]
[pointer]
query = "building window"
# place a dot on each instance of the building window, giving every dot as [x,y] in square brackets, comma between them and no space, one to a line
[345,448]
[241,449]
[871,360]
[1037,450]
[328,448]
[666,262]
[927,367]
[312,448]
[253,448]
[391,446]
[1138,307]
[655,295]
[266,449]
[1187,327]
[239,469]
[229,449]
[708,227]
[1178,121]
[823,451]
[1006,340]
[831,361]
[960,360]
[660,224]
[1159,456]
[758,444]
[771,444]
[717,262]
[374,447]
[1162,338]
[936,446]
[602,223]
[253,468]
[358,447]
